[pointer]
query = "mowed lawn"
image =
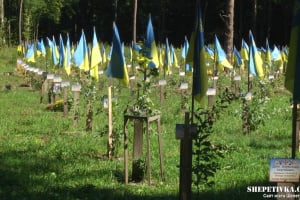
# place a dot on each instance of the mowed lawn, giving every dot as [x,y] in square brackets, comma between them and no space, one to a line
[44,156]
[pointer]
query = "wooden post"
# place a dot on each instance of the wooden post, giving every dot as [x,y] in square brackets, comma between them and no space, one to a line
[65,85]
[89,116]
[185,162]
[237,80]
[76,91]
[137,169]
[162,84]
[110,125]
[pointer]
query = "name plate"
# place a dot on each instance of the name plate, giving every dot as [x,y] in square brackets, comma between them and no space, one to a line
[100,72]
[162,82]
[184,86]
[65,83]
[271,77]
[181,73]
[248,96]
[237,78]
[50,76]
[284,170]
[76,87]
[211,92]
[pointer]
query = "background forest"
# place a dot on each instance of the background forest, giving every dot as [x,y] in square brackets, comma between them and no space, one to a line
[23,20]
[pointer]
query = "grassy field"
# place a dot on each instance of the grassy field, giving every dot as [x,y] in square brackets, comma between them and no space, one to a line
[43,156]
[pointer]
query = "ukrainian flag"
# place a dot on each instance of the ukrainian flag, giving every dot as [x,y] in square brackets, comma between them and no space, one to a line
[220,56]
[256,63]
[80,56]
[29,57]
[196,58]
[150,49]
[292,78]
[96,58]
[67,57]
[117,66]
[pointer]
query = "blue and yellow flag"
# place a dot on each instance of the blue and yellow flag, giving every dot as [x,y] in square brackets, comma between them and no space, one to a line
[255,62]
[67,57]
[61,51]
[80,56]
[96,58]
[40,48]
[149,48]
[55,53]
[167,58]
[244,53]
[292,77]
[220,56]
[268,59]
[236,57]
[196,58]
[29,56]
[117,66]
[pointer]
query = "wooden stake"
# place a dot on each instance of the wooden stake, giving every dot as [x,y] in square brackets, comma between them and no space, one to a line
[110,125]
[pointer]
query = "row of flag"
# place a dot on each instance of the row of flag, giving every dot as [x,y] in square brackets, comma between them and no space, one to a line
[90,57]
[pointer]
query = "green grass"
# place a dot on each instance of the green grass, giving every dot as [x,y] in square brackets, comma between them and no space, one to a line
[43,156]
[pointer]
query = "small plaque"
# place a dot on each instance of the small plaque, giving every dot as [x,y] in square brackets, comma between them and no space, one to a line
[181,73]
[271,77]
[237,78]
[132,78]
[211,92]
[215,78]
[128,65]
[284,170]
[184,86]
[76,87]
[50,76]
[162,82]
[65,83]
[57,79]
[100,72]
[248,96]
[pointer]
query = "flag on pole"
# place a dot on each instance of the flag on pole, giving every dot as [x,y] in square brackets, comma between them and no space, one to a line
[196,58]
[244,53]
[150,49]
[117,66]
[236,57]
[167,60]
[256,63]
[67,60]
[80,56]
[40,48]
[96,58]
[292,78]
[61,51]
[55,53]
[29,56]
[268,59]
[220,56]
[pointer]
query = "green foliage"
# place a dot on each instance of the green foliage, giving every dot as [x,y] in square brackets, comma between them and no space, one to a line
[206,161]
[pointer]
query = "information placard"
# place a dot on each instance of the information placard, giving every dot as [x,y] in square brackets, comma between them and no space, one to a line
[284,170]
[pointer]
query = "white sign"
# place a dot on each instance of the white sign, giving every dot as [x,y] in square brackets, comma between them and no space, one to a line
[162,82]
[284,170]
[183,86]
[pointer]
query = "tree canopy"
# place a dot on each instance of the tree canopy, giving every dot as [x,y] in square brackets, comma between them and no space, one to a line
[172,19]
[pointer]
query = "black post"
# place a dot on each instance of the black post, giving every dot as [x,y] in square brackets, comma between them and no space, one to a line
[186,149]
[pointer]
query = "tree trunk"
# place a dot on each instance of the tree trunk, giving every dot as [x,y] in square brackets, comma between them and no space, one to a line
[134,20]
[2,12]
[229,30]
[20,21]
[254,17]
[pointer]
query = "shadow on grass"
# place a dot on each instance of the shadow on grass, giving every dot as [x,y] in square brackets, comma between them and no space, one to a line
[22,177]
